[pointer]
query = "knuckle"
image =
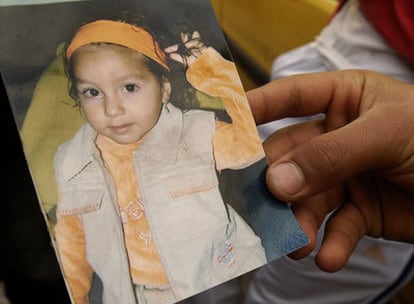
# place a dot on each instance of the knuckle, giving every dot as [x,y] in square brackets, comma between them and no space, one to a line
[331,154]
[294,100]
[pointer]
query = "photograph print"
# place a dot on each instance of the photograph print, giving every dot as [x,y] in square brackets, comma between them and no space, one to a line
[142,147]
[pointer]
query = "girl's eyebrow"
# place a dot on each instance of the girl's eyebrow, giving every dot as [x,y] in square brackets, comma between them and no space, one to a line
[137,75]
[83,81]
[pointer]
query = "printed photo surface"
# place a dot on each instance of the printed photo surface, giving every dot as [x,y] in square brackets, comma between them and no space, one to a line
[143,151]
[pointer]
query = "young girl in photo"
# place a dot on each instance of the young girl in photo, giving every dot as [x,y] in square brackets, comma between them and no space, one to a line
[139,200]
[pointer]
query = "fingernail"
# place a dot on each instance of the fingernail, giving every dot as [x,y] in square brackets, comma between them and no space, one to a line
[287,178]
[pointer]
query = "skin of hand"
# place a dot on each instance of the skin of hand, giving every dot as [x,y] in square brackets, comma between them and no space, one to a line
[191,44]
[358,161]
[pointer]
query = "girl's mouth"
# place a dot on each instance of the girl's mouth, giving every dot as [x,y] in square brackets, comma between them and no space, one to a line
[121,129]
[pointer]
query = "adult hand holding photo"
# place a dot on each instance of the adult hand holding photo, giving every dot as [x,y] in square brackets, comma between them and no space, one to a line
[357,161]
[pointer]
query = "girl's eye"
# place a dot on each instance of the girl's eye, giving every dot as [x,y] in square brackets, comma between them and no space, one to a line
[131,87]
[90,93]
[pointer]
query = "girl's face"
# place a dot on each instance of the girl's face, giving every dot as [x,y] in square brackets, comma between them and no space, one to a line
[120,97]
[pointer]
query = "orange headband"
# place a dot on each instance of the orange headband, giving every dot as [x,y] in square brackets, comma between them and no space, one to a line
[120,33]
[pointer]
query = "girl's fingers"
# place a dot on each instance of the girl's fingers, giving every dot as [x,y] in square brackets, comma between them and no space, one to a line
[171,49]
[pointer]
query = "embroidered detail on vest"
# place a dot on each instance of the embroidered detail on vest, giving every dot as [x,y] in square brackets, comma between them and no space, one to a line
[135,209]
[146,237]
[226,255]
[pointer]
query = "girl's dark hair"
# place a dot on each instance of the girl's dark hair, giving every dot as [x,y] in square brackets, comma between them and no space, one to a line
[182,93]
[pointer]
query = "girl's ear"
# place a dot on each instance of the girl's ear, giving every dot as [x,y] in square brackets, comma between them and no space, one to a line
[165,90]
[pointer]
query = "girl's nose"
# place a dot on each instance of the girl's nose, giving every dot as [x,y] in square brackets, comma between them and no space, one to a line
[114,106]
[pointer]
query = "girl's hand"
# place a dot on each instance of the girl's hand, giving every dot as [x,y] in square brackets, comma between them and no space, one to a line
[190,48]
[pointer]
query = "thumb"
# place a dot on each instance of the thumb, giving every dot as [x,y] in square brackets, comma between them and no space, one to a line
[331,158]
